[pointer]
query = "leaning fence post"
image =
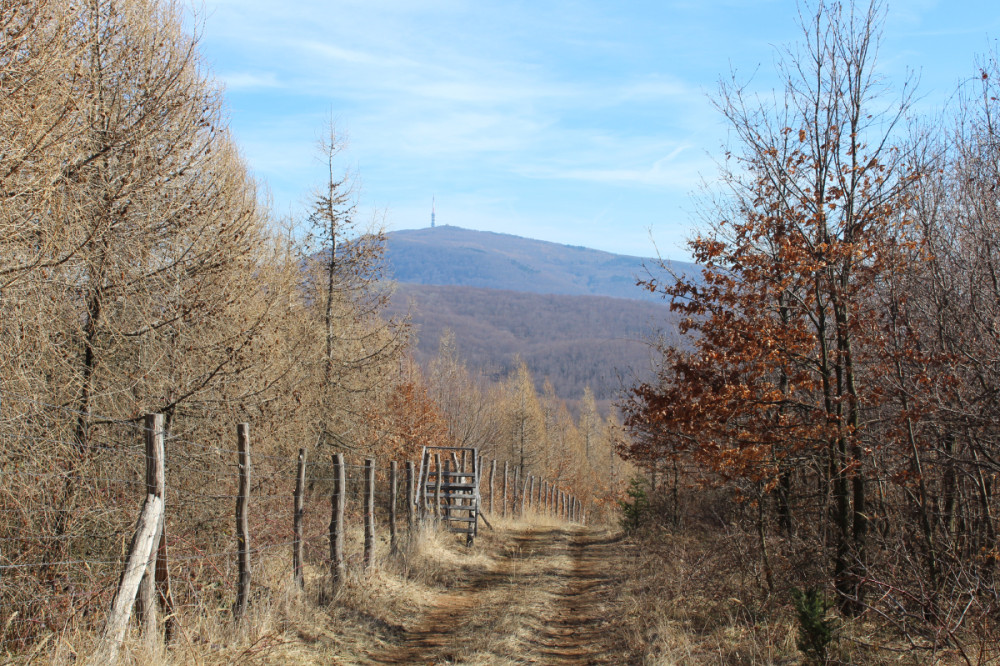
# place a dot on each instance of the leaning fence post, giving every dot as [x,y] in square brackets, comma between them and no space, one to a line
[140,550]
[121,607]
[369,554]
[242,521]
[299,510]
[393,488]
[155,482]
[410,495]
[337,501]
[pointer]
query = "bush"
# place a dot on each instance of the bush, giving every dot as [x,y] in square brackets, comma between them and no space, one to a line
[815,628]
[634,512]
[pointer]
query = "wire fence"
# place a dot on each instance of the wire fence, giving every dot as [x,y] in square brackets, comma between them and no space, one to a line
[69,505]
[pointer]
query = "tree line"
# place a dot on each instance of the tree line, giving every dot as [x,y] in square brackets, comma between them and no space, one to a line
[840,369]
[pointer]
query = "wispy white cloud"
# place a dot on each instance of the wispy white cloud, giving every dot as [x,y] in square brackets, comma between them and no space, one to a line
[242,81]
[536,114]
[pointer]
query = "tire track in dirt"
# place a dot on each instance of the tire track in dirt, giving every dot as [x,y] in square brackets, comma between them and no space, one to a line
[580,628]
[556,583]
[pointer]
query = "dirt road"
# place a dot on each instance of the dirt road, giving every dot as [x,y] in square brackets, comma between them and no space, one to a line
[548,598]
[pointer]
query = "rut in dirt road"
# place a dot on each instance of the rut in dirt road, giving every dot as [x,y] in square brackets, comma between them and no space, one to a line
[578,631]
[548,599]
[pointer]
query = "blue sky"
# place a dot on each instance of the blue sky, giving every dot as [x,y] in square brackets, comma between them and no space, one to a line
[577,121]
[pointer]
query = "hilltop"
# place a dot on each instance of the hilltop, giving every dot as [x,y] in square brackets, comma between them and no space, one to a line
[449,255]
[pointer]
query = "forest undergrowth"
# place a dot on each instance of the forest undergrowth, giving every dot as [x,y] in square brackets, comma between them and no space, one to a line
[696,592]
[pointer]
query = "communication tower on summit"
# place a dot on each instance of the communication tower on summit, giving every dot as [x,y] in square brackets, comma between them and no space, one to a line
[432,212]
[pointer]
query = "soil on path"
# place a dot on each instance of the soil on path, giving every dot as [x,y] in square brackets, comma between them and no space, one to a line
[549,599]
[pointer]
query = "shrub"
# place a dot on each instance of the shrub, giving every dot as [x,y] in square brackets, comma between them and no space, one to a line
[815,628]
[634,511]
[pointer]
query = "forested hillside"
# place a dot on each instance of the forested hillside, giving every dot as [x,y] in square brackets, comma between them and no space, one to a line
[575,342]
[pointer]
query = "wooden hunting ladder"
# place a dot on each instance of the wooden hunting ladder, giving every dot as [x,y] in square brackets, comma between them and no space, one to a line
[449,487]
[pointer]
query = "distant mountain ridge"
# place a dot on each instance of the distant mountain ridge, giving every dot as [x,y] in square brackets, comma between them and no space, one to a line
[453,256]
[575,341]
[573,314]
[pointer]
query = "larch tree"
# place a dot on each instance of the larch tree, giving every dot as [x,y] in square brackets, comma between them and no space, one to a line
[345,277]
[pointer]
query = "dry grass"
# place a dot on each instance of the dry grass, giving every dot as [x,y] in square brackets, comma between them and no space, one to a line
[435,601]
[685,602]
[696,598]
[366,616]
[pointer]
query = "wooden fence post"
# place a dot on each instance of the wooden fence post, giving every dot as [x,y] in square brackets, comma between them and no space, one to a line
[138,557]
[524,493]
[493,473]
[155,482]
[423,487]
[337,500]
[437,485]
[140,550]
[369,510]
[393,488]
[410,495]
[506,473]
[437,491]
[298,511]
[242,521]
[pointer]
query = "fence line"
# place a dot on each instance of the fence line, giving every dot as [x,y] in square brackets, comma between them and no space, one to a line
[62,530]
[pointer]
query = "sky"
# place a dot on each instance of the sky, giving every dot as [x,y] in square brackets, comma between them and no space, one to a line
[584,122]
